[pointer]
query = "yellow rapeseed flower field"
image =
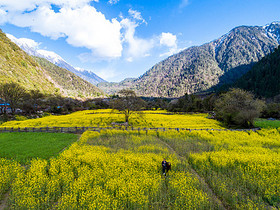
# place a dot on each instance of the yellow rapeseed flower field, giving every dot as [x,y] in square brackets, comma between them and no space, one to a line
[117,169]
[105,118]
[108,176]
[242,167]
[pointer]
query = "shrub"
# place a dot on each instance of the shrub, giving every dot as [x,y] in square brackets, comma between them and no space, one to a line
[20,118]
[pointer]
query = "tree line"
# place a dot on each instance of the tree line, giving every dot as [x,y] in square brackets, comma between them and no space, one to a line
[235,108]
[16,99]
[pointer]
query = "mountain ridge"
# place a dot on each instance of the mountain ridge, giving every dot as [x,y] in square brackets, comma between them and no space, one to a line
[17,66]
[200,68]
[31,48]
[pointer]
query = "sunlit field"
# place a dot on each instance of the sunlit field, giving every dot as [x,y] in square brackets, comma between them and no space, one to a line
[23,147]
[241,167]
[122,170]
[263,123]
[106,118]
[111,170]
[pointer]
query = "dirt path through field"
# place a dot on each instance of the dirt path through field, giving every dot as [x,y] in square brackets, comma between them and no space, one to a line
[201,179]
[4,201]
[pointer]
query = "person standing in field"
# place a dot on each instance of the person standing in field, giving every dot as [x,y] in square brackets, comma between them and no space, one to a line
[164,165]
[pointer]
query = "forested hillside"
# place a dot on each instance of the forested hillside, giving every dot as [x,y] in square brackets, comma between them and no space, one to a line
[264,78]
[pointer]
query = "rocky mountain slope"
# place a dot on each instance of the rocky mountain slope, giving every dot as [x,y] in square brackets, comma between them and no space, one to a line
[28,47]
[264,78]
[17,66]
[68,82]
[202,67]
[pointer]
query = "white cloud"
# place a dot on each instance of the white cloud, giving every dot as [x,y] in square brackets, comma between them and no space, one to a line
[113,1]
[136,15]
[3,15]
[137,47]
[168,39]
[83,26]
[77,21]
[29,5]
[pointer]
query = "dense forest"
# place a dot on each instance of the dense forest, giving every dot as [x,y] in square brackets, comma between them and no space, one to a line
[264,78]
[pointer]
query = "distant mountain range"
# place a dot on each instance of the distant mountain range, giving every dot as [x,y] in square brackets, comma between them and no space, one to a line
[201,68]
[54,58]
[35,73]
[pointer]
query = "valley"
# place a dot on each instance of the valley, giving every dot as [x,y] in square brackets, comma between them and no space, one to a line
[122,104]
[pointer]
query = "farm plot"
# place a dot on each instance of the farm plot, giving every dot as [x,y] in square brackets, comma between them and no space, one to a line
[121,169]
[23,147]
[111,170]
[263,123]
[106,118]
[243,168]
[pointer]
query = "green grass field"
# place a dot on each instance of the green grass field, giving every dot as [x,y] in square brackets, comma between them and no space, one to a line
[262,123]
[23,147]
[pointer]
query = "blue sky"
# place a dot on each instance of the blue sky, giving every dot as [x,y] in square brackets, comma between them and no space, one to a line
[124,38]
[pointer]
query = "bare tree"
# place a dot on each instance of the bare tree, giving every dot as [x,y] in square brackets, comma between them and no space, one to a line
[238,108]
[12,93]
[127,103]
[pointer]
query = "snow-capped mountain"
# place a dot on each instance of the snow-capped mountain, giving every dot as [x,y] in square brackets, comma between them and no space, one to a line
[32,48]
[89,76]
[274,30]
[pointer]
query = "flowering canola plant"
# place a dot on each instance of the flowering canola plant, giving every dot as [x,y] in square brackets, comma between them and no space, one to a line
[8,171]
[117,169]
[105,118]
[98,173]
[243,167]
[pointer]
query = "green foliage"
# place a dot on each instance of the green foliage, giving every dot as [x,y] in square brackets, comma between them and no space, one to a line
[23,147]
[24,64]
[238,108]
[193,103]
[46,114]
[272,110]
[12,93]
[20,118]
[264,78]
[263,123]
